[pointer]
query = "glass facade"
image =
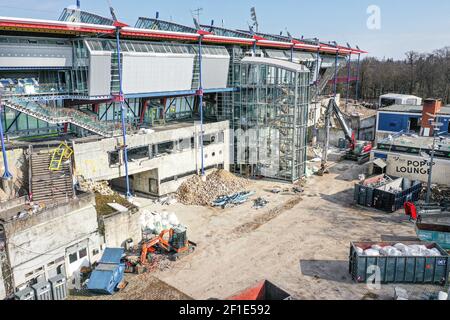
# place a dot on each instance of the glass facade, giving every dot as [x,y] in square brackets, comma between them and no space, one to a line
[269,120]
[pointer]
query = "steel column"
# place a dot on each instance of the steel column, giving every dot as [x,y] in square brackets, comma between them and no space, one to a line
[357,76]
[200,99]
[6,174]
[335,74]
[349,64]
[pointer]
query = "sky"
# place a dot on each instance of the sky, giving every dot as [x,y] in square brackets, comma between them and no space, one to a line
[385,28]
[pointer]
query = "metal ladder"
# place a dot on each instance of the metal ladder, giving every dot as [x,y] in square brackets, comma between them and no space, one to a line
[63,152]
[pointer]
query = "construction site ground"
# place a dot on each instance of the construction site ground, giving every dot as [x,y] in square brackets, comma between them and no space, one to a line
[300,242]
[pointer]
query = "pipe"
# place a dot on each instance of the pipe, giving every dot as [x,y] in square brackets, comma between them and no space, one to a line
[6,175]
[335,74]
[348,79]
[200,99]
[78,4]
[357,76]
[122,113]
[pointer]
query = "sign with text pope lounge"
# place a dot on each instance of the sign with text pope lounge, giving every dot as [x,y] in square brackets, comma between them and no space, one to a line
[417,168]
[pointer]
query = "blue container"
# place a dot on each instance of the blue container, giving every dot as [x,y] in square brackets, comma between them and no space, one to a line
[400,269]
[434,233]
[109,272]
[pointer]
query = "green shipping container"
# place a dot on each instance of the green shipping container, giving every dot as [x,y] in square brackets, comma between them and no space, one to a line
[399,269]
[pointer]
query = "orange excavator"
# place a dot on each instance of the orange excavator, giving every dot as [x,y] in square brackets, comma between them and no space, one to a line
[171,241]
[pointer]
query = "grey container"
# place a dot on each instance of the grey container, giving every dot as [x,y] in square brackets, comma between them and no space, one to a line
[43,290]
[59,287]
[400,269]
[25,294]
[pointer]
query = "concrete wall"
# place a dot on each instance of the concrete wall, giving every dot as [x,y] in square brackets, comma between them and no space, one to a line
[120,227]
[91,158]
[18,167]
[43,238]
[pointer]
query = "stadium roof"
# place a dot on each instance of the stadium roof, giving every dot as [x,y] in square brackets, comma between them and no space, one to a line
[162,30]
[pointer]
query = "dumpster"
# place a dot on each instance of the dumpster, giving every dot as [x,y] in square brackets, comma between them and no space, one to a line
[435,228]
[399,269]
[264,290]
[386,193]
[108,273]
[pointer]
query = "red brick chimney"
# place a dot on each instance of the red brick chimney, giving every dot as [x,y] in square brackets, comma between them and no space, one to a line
[430,106]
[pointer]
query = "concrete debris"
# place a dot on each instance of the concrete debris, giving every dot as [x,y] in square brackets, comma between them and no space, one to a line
[101,187]
[259,203]
[400,294]
[401,249]
[118,207]
[232,199]
[168,200]
[439,194]
[195,191]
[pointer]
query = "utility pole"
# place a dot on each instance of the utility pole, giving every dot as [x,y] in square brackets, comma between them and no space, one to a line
[357,76]
[436,126]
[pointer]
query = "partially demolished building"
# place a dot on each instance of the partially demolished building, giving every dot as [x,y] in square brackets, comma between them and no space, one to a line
[88,98]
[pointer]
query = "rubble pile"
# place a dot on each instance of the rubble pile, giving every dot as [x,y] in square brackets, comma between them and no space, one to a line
[195,191]
[439,194]
[100,187]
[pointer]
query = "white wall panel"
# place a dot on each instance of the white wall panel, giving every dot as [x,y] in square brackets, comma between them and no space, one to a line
[35,56]
[215,72]
[100,74]
[156,73]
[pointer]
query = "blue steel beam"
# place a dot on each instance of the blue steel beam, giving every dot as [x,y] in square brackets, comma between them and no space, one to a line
[357,76]
[123,112]
[348,78]
[6,174]
[200,99]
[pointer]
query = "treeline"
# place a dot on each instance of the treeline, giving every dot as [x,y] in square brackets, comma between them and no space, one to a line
[426,75]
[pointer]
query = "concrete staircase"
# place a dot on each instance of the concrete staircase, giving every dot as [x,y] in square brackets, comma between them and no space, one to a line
[50,186]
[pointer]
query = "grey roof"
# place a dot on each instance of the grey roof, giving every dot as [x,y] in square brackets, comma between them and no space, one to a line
[445,110]
[276,63]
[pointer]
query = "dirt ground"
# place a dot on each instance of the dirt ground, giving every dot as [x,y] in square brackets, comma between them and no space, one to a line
[298,242]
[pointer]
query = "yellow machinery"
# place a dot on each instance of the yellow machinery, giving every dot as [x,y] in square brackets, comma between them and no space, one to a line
[63,152]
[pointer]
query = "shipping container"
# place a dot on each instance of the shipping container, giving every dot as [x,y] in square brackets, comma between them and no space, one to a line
[386,193]
[399,269]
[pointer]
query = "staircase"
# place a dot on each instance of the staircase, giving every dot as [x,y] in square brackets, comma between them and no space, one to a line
[50,186]
[61,116]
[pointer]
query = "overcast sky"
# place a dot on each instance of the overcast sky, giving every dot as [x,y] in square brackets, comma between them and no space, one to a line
[394,26]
